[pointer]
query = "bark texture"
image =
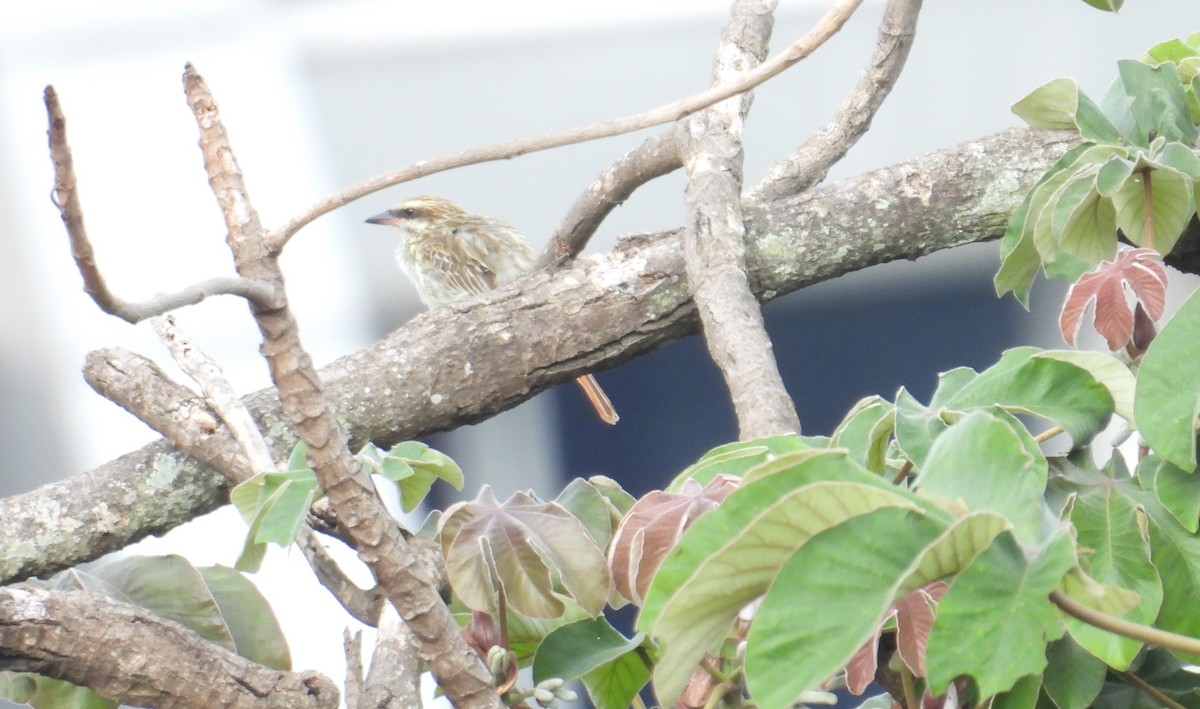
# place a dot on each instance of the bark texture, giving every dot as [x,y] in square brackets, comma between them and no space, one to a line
[72,635]
[459,364]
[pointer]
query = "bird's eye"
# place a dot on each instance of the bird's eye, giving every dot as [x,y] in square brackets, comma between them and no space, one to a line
[408,212]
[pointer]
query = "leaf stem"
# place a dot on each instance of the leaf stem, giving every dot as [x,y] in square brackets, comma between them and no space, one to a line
[1148,688]
[1148,208]
[1120,626]
[911,700]
[904,471]
[1048,434]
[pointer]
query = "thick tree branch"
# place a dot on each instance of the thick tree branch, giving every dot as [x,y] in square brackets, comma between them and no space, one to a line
[410,584]
[449,366]
[70,635]
[812,160]
[713,237]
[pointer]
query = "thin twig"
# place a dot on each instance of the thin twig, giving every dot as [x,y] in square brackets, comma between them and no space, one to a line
[66,198]
[797,51]
[1120,626]
[809,164]
[1148,688]
[656,157]
[218,392]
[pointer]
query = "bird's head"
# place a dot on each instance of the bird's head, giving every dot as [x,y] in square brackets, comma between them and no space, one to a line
[421,216]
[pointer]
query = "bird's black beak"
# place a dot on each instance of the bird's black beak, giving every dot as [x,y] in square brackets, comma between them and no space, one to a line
[384,218]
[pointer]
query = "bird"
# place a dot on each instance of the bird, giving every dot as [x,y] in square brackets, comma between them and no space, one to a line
[449,253]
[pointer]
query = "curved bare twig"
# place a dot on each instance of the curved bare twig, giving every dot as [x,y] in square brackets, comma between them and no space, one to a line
[656,157]
[809,164]
[66,198]
[833,20]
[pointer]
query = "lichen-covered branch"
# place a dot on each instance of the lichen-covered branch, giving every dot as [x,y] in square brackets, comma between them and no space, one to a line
[624,303]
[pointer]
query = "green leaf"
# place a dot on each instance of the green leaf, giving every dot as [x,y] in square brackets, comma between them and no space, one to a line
[989,462]
[1113,175]
[1073,677]
[1180,157]
[1050,388]
[1117,108]
[1019,259]
[1051,105]
[1023,695]
[414,467]
[1176,554]
[252,624]
[1172,50]
[1171,202]
[916,428]
[171,588]
[613,666]
[599,516]
[1093,125]
[731,555]
[851,582]
[996,618]
[1106,5]
[954,550]
[574,650]
[1090,231]
[1177,489]
[1112,529]
[1021,251]
[48,693]
[611,686]
[1158,102]
[283,511]
[735,459]
[866,431]
[1109,371]
[1167,401]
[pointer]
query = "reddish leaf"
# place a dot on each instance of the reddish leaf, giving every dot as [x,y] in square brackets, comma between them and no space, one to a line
[1136,271]
[860,670]
[537,551]
[914,618]
[653,526]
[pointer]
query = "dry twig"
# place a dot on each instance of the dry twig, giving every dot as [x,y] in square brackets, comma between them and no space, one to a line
[656,157]
[812,160]
[669,113]
[66,198]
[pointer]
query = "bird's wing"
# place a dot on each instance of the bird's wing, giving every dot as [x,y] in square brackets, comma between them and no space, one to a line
[465,273]
[503,254]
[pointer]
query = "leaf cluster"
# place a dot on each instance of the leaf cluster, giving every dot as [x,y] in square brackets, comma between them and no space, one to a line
[1135,171]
